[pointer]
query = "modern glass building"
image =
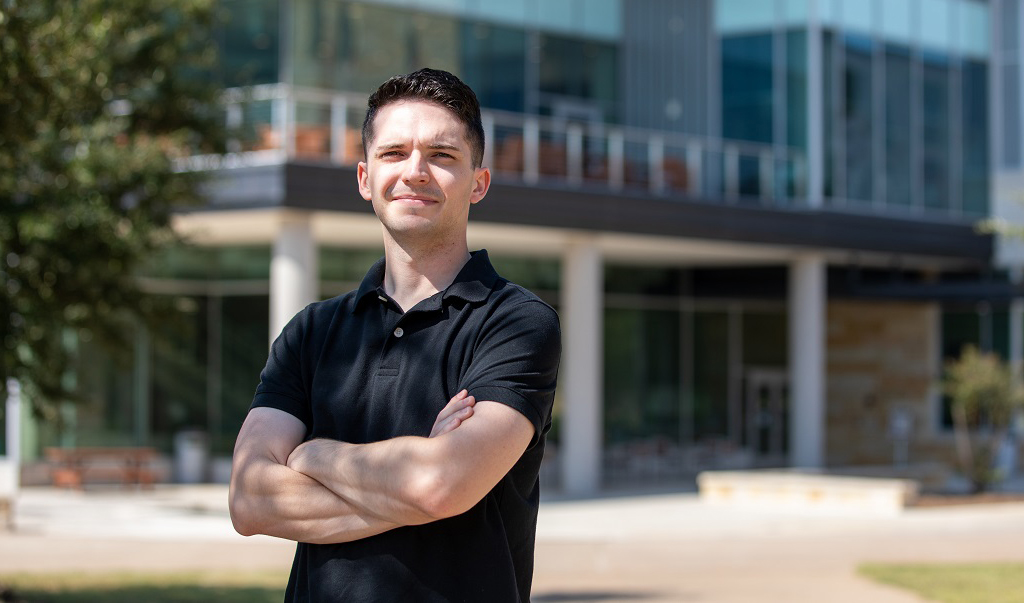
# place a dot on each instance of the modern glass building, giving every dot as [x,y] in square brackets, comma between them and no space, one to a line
[756,217]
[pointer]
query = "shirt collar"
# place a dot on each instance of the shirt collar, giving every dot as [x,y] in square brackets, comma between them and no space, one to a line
[473,283]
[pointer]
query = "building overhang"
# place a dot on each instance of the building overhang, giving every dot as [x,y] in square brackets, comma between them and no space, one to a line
[538,219]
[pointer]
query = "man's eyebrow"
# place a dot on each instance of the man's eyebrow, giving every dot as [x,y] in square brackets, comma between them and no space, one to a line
[434,146]
[444,146]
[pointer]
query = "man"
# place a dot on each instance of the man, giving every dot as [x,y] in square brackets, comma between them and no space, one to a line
[397,431]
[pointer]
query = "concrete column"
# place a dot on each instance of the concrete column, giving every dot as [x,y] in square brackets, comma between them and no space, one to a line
[807,298]
[13,426]
[294,270]
[581,379]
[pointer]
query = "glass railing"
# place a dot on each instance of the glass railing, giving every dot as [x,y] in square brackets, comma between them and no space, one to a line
[277,123]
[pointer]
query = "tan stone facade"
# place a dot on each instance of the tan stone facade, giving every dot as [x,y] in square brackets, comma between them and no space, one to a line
[882,361]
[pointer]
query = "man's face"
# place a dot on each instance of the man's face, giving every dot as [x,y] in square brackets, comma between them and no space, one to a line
[419,173]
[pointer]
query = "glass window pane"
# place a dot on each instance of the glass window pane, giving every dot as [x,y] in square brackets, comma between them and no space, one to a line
[732,16]
[858,118]
[856,15]
[512,12]
[794,12]
[245,332]
[898,128]
[973,38]
[796,89]
[249,42]
[935,23]
[556,14]
[936,136]
[572,70]
[710,376]
[494,65]
[897,24]
[975,138]
[602,17]
[1011,97]
[747,88]
[643,403]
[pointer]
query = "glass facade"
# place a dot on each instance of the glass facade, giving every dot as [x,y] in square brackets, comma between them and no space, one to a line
[681,370]
[352,46]
[904,94]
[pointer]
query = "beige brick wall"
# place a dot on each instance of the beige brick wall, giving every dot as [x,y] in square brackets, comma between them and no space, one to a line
[882,356]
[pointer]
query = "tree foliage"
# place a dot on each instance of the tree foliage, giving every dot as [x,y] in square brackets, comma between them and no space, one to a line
[985,393]
[97,99]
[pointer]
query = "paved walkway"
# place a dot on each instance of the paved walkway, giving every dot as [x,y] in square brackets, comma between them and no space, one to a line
[641,549]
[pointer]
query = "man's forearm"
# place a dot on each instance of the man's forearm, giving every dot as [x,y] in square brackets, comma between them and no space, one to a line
[269,498]
[387,480]
[413,480]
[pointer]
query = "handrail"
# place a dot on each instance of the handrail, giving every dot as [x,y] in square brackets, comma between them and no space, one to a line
[276,123]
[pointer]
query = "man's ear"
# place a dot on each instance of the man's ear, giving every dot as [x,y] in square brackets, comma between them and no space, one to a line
[481,183]
[361,179]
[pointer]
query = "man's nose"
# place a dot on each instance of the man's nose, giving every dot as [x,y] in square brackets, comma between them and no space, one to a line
[416,168]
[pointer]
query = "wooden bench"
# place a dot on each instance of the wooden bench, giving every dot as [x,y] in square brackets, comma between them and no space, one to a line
[74,467]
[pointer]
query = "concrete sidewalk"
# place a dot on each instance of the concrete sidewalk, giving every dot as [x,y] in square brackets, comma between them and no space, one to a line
[654,548]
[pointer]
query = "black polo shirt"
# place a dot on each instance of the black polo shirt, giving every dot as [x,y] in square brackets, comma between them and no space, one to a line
[356,368]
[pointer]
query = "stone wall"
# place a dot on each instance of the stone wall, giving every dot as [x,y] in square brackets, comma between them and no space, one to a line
[882,360]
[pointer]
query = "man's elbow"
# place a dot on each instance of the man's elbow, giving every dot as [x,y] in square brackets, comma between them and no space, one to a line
[241,509]
[436,496]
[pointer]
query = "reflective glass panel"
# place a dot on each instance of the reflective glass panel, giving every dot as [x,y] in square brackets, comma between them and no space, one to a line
[747,87]
[898,126]
[935,131]
[935,23]
[494,64]
[974,100]
[249,42]
[858,117]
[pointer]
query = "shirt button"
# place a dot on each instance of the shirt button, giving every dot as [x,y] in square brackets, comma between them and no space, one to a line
[399,332]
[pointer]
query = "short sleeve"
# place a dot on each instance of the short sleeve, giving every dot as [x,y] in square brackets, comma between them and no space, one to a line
[516,362]
[283,383]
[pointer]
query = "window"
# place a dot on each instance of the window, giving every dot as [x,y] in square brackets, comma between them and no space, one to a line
[747,88]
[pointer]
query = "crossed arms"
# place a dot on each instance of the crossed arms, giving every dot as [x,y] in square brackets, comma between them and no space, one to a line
[327,491]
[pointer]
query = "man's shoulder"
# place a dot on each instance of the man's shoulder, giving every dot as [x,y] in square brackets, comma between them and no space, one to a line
[511,297]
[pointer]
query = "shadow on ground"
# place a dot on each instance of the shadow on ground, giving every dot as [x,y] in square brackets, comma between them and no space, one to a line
[581,596]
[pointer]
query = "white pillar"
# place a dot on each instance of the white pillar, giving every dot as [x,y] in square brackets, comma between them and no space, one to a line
[807,297]
[13,429]
[581,382]
[294,271]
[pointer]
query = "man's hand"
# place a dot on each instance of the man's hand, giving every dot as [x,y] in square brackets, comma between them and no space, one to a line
[411,480]
[453,414]
[314,453]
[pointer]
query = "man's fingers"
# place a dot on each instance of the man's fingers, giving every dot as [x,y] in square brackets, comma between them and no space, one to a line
[451,416]
[457,403]
[453,421]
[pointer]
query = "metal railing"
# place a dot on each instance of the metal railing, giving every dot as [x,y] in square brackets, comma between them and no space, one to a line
[275,123]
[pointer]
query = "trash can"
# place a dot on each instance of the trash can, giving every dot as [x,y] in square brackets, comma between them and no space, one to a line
[191,456]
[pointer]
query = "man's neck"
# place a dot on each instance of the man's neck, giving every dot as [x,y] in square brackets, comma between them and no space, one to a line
[412,275]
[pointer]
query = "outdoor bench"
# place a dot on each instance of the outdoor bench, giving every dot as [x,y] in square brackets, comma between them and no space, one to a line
[74,467]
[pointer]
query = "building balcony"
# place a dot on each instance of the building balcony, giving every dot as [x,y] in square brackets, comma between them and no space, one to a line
[292,146]
[277,123]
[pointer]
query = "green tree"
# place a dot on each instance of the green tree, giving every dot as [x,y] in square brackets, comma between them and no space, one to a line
[97,100]
[985,393]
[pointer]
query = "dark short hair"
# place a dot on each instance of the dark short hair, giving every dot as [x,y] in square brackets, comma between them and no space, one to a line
[436,86]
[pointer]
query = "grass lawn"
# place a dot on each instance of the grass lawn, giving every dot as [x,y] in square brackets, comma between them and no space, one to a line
[954,582]
[125,587]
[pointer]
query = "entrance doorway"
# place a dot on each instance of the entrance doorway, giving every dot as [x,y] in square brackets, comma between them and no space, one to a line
[765,415]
